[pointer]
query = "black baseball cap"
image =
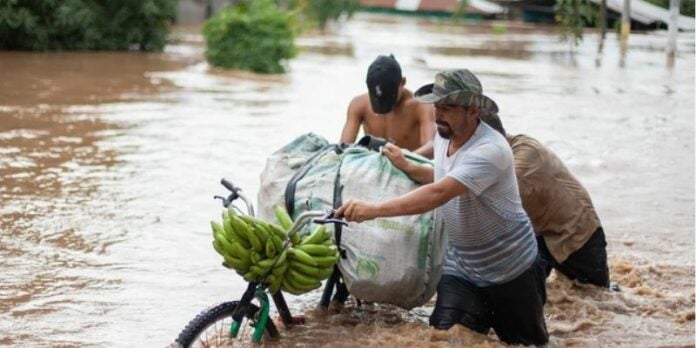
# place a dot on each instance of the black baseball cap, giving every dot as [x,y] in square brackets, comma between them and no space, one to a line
[383,81]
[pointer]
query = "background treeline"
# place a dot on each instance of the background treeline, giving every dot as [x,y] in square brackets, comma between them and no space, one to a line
[85,24]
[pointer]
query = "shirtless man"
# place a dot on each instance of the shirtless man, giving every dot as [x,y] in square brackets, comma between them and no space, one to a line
[389,110]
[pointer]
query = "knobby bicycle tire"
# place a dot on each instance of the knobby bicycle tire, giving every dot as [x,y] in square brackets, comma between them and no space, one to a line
[220,313]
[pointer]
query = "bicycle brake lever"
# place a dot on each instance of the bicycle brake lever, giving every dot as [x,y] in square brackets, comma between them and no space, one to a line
[225,201]
[330,218]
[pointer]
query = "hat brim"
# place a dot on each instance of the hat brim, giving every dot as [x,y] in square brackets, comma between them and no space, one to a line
[426,95]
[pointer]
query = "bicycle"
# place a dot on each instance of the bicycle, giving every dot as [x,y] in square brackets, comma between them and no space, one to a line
[227,321]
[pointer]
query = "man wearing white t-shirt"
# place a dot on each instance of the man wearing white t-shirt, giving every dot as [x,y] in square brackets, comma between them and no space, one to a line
[492,276]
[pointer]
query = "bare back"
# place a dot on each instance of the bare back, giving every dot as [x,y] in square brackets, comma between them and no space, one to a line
[410,125]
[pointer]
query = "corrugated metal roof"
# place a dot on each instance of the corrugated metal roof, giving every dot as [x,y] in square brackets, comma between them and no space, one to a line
[647,13]
[475,6]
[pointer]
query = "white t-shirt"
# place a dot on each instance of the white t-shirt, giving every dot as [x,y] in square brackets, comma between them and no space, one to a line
[491,240]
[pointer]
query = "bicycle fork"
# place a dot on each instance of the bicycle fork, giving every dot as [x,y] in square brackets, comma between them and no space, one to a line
[253,291]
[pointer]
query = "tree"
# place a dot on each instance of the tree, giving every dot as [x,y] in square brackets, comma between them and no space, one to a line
[85,24]
[572,16]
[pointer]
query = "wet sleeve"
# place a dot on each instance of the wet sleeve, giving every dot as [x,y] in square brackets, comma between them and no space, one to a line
[481,168]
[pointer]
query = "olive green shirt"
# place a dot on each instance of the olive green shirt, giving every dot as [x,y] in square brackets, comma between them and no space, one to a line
[557,204]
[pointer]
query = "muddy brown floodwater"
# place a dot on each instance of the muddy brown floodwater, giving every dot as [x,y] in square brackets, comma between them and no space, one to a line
[109,161]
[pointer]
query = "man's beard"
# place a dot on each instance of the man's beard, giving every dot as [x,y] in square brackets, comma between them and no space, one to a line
[444,130]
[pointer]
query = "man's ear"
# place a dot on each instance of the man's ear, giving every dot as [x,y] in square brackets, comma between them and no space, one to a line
[403,81]
[472,110]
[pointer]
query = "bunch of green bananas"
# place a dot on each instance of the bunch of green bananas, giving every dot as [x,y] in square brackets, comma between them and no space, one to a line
[254,248]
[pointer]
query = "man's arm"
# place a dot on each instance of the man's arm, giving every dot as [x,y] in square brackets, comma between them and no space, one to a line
[353,121]
[421,200]
[426,150]
[422,174]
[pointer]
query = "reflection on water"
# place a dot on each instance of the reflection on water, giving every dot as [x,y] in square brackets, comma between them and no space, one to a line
[108,164]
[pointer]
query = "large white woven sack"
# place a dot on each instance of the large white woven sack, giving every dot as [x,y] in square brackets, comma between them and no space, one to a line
[393,260]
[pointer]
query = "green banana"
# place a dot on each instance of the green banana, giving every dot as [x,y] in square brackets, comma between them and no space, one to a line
[295,239]
[302,257]
[283,217]
[227,227]
[255,257]
[254,240]
[325,272]
[289,288]
[270,248]
[240,265]
[316,249]
[307,270]
[239,251]
[250,276]
[275,284]
[278,243]
[250,220]
[326,261]
[280,269]
[260,233]
[302,287]
[231,211]
[267,263]
[283,256]
[328,242]
[317,237]
[300,278]
[260,272]
[277,231]
[239,226]
[270,279]
[217,228]
[218,248]
[225,245]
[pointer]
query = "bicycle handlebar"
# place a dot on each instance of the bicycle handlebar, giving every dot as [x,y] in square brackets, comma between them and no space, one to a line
[236,193]
[230,186]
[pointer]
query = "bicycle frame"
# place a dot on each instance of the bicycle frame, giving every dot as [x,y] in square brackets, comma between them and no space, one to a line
[258,290]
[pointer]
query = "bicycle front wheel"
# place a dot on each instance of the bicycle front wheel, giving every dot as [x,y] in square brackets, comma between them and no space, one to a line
[211,328]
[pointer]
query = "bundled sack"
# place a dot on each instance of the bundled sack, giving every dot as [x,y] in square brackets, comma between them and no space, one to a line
[394,260]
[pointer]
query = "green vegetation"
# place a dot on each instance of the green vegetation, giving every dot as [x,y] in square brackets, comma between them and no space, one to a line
[258,35]
[572,16]
[320,12]
[85,24]
[460,13]
[254,36]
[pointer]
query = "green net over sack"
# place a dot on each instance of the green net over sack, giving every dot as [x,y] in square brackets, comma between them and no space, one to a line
[394,260]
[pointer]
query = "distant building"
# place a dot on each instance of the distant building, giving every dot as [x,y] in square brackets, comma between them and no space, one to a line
[482,8]
[644,15]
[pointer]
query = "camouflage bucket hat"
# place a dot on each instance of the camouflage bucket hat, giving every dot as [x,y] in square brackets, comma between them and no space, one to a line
[456,87]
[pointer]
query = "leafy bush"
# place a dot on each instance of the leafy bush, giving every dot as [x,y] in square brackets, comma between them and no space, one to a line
[85,24]
[321,12]
[253,35]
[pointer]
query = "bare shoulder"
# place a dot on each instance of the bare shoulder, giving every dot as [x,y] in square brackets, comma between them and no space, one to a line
[360,102]
[418,109]
[359,107]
